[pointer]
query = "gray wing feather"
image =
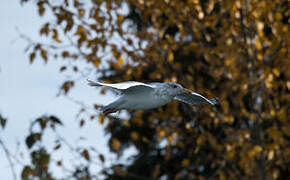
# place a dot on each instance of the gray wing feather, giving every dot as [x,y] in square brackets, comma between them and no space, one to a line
[137,89]
[195,98]
[124,87]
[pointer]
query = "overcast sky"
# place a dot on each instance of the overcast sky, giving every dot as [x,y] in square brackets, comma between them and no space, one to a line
[29,91]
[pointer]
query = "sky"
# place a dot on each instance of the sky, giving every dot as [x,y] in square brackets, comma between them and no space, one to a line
[29,91]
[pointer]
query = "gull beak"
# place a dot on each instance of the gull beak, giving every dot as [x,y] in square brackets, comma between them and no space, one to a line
[187,91]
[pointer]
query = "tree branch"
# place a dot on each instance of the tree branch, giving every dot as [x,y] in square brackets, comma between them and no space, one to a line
[8,156]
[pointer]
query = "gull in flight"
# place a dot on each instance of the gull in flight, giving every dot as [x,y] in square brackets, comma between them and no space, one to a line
[141,96]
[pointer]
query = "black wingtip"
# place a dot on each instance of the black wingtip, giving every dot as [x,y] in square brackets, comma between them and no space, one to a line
[214,101]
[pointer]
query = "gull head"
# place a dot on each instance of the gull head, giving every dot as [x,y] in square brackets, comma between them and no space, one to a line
[174,89]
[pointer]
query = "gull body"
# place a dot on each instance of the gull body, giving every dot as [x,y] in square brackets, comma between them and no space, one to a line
[141,96]
[144,100]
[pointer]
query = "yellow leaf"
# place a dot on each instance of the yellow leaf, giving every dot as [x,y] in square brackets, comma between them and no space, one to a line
[59,163]
[283,50]
[260,25]
[55,36]
[210,6]
[257,149]
[32,57]
[258,44]
[286,129]
[120,19]
[86,155]
[134,135]
[200,15]
[45,29]
[161,133]
[100,20]
[170,57]
[286,152]
[43,55]
[115,144]
[80,30]
[260,56]
[120,171]
[101,119]
[82,122]
[229,119]
[199,140]
[120,61]
[230,154]
[285,28]
[126,123]
[229,41]
[276,72]
[81,12]
[272,112]
[145,139]
[41,8]
[278,16]
[156,171]
[270,155]
[185,162]
[27,171]
[251,153]
[170,139]
[101,157]
[180,144]
[222,175]
[228,62]
[65,54]
[269,80]
[97,61]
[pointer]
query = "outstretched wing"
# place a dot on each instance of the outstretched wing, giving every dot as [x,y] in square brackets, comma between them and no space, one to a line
[195,98]
[129,86]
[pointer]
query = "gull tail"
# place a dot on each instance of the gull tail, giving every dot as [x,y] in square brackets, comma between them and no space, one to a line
[214,101]
[113,107]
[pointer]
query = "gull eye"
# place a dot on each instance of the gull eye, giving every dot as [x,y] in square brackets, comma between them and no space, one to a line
[174,86]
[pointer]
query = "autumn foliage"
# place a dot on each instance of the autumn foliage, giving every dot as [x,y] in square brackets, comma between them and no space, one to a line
[235,50]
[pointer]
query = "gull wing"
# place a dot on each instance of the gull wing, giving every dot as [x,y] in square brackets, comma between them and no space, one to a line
[129,86]
[195,98]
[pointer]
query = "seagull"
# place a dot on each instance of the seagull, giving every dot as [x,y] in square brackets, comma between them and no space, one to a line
[141,96]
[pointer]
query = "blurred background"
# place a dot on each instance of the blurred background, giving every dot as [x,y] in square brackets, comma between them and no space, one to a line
[51,126]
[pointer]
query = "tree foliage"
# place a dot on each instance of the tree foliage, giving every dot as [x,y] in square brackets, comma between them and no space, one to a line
[236,50]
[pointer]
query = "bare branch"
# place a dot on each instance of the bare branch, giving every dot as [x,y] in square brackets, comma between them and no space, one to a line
[8,156]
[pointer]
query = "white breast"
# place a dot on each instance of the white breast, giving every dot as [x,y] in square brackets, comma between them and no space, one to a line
[144,101]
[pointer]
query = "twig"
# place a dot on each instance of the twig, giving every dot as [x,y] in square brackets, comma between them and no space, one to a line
[8,155]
